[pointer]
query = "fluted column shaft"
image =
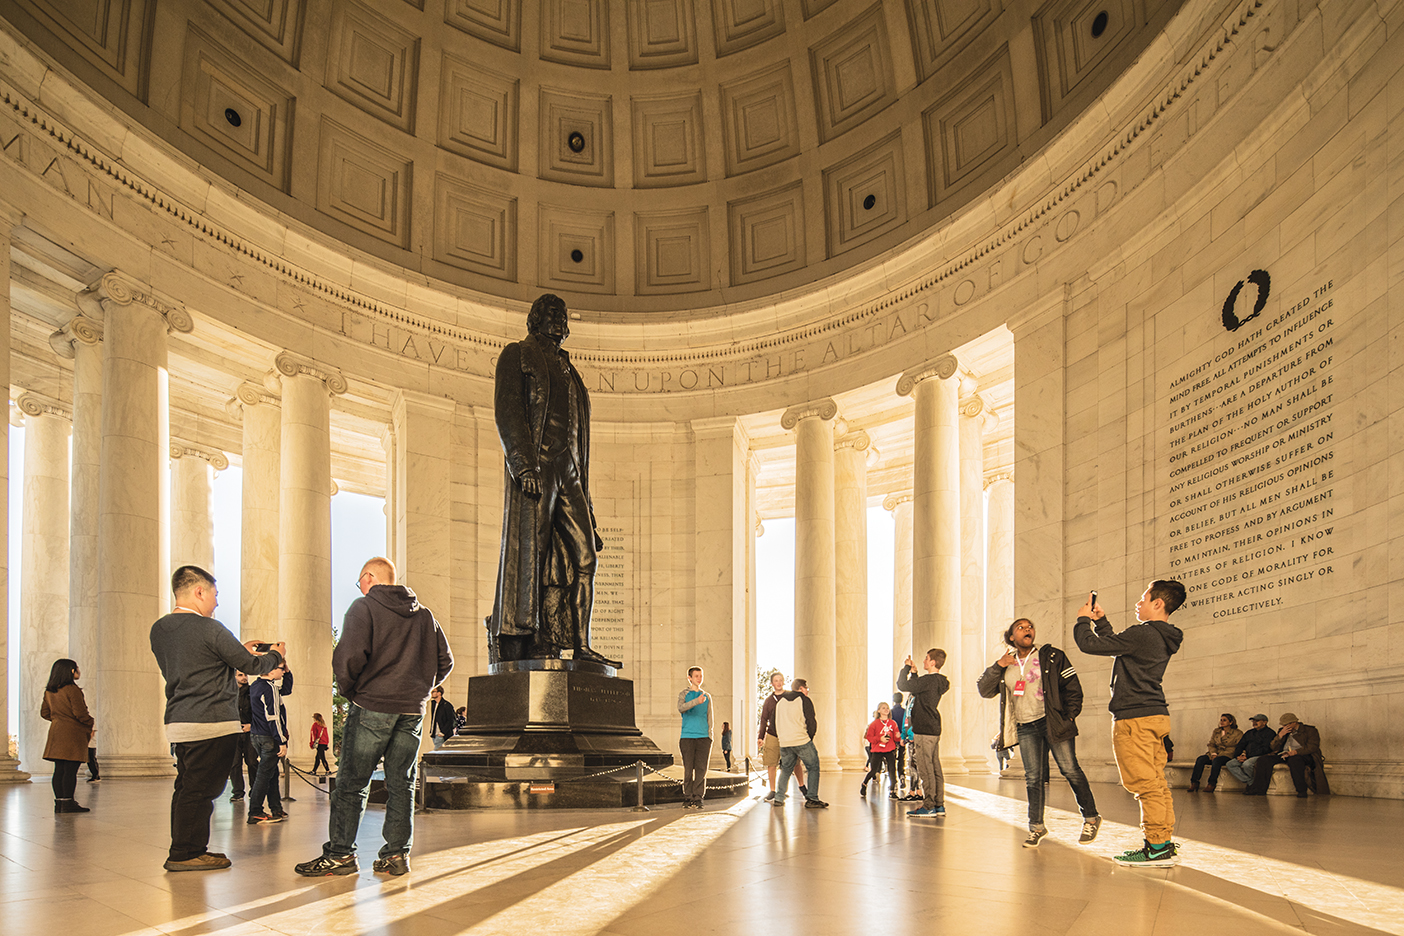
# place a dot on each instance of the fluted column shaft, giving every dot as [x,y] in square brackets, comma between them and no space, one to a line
[260,493]
[936,607]
[44,568]
[423,516]
[9,767]
[814,567]
[851,596]
[745,730]
[192,517]
[304,545]
[81,339]
[133,533]
[999,594]
[901,507]
[976,723]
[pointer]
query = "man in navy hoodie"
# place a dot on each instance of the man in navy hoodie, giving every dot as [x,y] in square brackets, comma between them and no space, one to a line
[1140,717]
[269,739]
[391,654]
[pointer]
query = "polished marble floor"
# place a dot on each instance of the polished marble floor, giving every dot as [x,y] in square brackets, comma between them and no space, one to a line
[1333,865]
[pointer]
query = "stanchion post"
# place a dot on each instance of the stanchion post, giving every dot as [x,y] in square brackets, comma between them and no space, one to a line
[638,783]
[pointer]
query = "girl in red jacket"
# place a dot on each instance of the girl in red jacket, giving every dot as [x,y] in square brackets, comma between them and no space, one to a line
[320,740]
[881,738]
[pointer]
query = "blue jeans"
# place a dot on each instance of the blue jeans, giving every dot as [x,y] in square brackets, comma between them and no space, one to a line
[265,785]
[1033,748]
[805,754]
[366,737]
[1242,771]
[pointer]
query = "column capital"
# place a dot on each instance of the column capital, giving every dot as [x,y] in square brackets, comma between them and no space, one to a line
[37,404]
[114,289]
[972,406]
[857,440]
[215,457]
[249,393]
[944,367]
[80,329]
[288,364]
[759,527]
[335,488]
[892,501]
[995,477]
[825,409]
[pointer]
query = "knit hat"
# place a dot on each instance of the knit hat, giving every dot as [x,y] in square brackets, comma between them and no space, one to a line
[1287,719]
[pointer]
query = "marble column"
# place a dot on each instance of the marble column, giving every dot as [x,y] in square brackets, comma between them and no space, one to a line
[851,451]
[936,584]
[133,525]
[900,506]
[977,727]
[304,538]
[999,575]
[193,469]
[260,412]
[720,447]
[81,341]
[423,426]
[814,565]
[9,766]
[392,493]
[43,564]
[999,568]
[744,731]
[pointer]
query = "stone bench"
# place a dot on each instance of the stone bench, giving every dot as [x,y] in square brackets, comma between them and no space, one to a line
[1177,774]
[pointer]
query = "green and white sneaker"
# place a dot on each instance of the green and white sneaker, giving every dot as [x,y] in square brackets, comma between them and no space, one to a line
[1151,856]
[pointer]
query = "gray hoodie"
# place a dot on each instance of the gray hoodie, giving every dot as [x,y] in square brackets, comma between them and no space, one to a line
[391,653]
[1142,652]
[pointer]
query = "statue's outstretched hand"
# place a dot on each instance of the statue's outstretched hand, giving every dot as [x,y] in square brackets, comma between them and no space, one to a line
[531,483]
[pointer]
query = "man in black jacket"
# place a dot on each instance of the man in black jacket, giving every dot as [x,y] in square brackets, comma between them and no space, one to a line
[1256,742]
[391,653]
[244,754]
[1039,714]
[440,718]
[926,693]
[1140,715]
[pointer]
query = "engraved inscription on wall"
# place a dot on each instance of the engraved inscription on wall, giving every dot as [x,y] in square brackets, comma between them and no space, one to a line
[612,624]
[1251,473]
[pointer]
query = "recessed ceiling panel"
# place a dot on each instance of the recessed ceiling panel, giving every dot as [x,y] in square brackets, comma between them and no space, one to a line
[475,229]
[495,21]
[767,234]
[662,33]
[576,249]
[576,139]
[759,128]
[672,252]
[865,195]
[668,141]
[373,63]
[363,185]
[575,32]
[478,113]
[852,71]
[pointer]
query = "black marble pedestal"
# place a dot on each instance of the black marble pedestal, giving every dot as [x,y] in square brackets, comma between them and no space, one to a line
[546,720]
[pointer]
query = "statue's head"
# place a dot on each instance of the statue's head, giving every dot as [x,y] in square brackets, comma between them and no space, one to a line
[548,317]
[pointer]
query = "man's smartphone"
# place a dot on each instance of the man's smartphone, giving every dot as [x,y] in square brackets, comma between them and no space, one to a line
[1093,602]
[263,647]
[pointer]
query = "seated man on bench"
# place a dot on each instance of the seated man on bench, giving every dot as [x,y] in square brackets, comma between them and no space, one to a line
[1256,742]
[1299,747]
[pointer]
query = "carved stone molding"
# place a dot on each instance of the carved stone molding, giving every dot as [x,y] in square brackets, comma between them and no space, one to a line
[36,404]
[759,527]
[79,329]
[857,440]
[291,365]
[215,457]
[892,501]
[996,477]
[249,393]
[116,289]
[824,409]
[335,488]
[943,367]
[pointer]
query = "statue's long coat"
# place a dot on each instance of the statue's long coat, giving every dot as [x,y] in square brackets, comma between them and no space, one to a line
[521,402]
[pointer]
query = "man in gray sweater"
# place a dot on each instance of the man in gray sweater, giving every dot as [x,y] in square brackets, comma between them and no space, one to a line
[198,657]
[391,654]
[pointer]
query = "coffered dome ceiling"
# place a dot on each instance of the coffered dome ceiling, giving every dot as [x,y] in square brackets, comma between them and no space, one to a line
[649,156]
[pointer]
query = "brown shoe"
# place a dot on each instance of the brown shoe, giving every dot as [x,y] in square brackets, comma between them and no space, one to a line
[206,862]
[1209,788]
[1194,787]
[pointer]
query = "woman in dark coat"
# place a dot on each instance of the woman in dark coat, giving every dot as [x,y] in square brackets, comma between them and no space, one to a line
[70,728]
